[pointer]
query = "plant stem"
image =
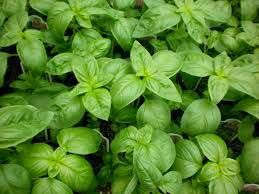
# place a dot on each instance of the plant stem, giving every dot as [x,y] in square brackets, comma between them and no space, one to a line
[107,141]
[22,68]
[231,120]
[46,135]
[175,135]
[197,84]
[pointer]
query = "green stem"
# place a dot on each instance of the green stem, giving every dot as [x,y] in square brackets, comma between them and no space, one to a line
[107,141]
[197,84]
[175,135]
[231,120]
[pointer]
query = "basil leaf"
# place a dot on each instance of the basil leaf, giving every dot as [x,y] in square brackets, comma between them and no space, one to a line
[79,140]
[14,179]
[32,54]
[229,167]
[155,20]
[76,172]
[81,88]
[50,186]
[248,9]
[188,158]
[42,6]
[163,87]
[20,123]
[246,129]
[60,64]
[98,102]
[122,30]
[205,114]
[168,62]
[3,66]
[126,115]
[192,188]
[250,106]
[222,185]
[36,158]
[209,172]
[11,7]
[154,3]
[212,146]
[171,182]
[126,90]
[155,113]
[197,64]
[123,4]
[218,87]
[248,161]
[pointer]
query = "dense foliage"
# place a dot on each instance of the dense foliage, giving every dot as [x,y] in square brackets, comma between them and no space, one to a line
[129,96]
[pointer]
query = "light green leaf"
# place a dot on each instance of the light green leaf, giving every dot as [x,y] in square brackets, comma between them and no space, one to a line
[14,179]
[42,6]
[155,113]
[123,4]
[60,64]
[163,87]
[251,106]
[222,185]
[209,172]
[50,186]
[126,90]
[188,158]
[155,20]
[3,66]
[171,182]
[154,3]
[81,88]
[212,146]
[205,114]
[246,129]
[229,167]
[79,140]
[248,9]
[20,123]
[218,87]
[11,7]
[98,103]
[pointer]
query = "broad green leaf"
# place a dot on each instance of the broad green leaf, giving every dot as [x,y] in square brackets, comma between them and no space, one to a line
[244,81]
[36,158]
[197,64]
[249,161]
[119,184]
[126,90]
[248,9]
[158,45]
[192,188]
[32,54]
[222,185]
[205,114]
[42,6]
[98,103]
[50,186]
[229,167]
[3,66]
[59,17]
[154,3]
[218,87]
[105,11]
[122,30]
[60,64]
[76,172]
[126,115]
[168,62]
[155,20]
[212,146]
[81,88]
[163,87]
[171,182]
[12,99]
[141,60]
[102,79]
[155,113]
[251,106]
[209,172]
[188,158]
[246,129]
[14,179]
[123,4]
[20,123]
[11,7]
[79,140]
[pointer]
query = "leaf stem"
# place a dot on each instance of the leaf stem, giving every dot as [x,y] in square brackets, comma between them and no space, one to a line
[231,120]
[175,135]
[107,141]
[22,67]
[46,135]
[197,84]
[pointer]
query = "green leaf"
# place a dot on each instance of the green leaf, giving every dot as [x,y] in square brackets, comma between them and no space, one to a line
[59,17]
[32,54]
[79,140]
[192,188]
[188,158]
[122,30]
[155,113]
[76,172]
[42,6]
[60,64]
[50,186]
[126,90]
[244,81]
[248,9]
[163,87]
[222,185]
[36,158]
[20,123]
[205,114]
[81,88]
[168,62]
[197,64]
[155,20]
[141,60]
[14,179]
[246,129]
[251,106]
[229,167]
[249,162]
[3,66]
[11,7]
[212,146]
[218,87]
[98,102]
[209,172]
[154,3]
[171,182]
[12,99]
